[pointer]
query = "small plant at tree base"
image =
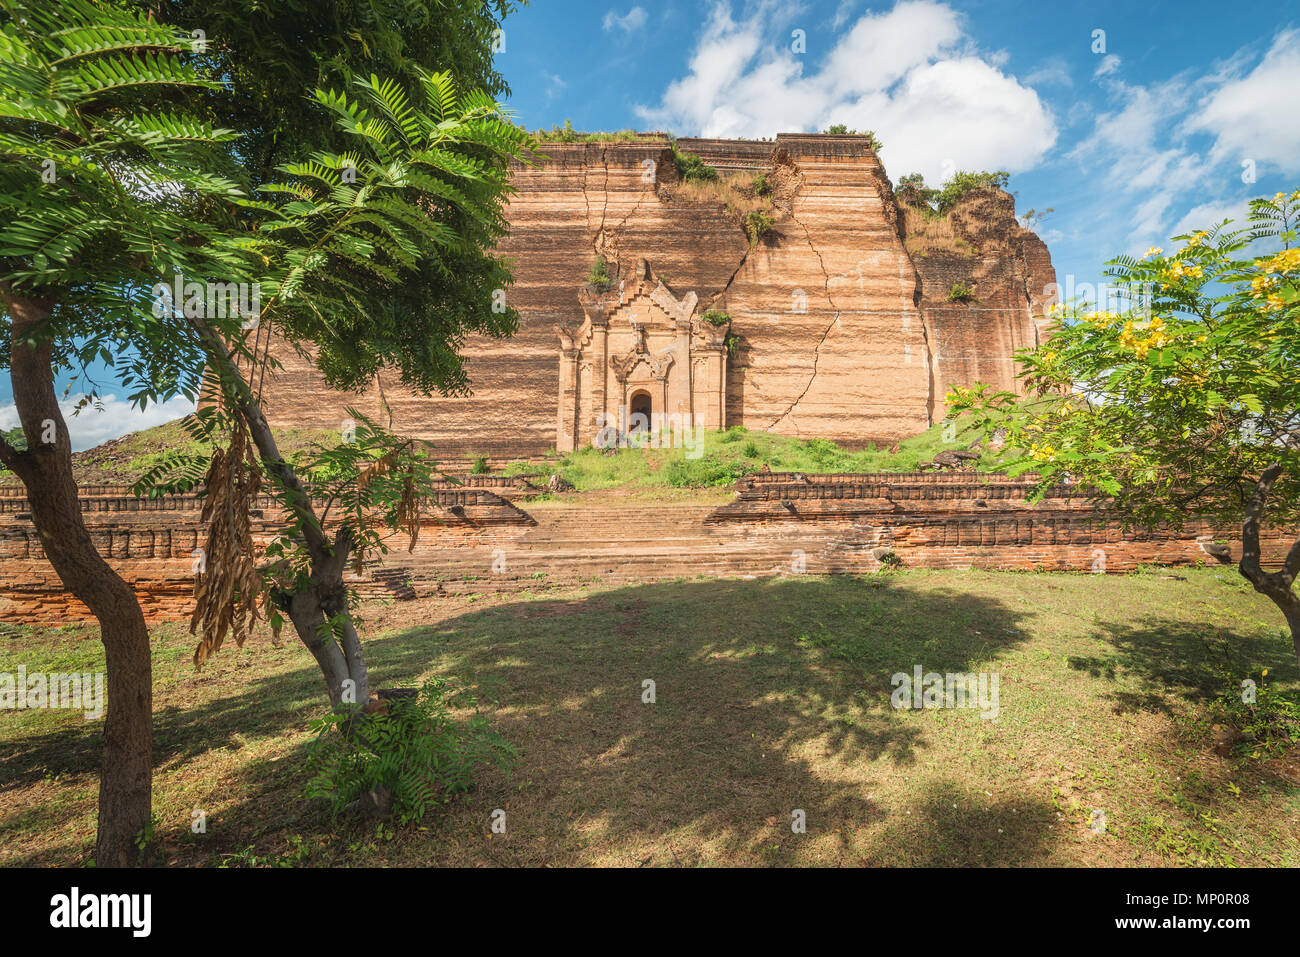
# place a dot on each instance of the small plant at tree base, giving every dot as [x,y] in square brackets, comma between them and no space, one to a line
[1264,727]
[961,292]
[716,317]
[599,273]
[691,167]
[758,224]
[416,753]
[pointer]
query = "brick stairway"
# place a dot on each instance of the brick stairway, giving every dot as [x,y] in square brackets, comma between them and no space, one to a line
[613,545]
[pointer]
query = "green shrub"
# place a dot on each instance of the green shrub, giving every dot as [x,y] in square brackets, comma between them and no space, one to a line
[841,129]
[416,752]
[913,191]
[757,224]
[480,466]
[961,292]
[599,275]
[716,317]
[734,434]
[691,167]
[761,185]
[1265,727]
[710,470]
[826,454]
[751,450]
[962,183]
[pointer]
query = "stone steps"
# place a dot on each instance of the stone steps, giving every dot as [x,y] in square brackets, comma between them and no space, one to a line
[612,545]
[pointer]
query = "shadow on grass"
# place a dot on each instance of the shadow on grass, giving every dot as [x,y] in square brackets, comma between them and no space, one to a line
[770,696]
[1195,663]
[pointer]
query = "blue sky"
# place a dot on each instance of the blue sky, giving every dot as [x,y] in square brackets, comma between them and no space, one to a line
[1133,135]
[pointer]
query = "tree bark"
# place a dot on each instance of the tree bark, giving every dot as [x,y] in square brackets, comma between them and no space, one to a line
[125,798]
[1276,586]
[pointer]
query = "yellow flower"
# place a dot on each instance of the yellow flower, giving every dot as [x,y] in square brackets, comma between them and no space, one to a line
[1288,260]
[1153,251]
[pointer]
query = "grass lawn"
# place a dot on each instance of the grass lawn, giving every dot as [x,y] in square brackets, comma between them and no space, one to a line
[772,695]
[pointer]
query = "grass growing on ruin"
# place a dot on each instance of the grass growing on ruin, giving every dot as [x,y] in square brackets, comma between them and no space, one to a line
[737,192]
[771,695]
[729,455]
[123,460]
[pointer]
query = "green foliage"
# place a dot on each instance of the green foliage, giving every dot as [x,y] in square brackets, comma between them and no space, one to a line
[841,129]
[567,134]
[758,224]
[1173,406]
[16,439]
[961,292]
[752,450]
[962,183]
[1032,217]
[599,275]
[374,254]
[1268,726]
[416,751]
[761,184]
[480,466]
[716,317]
[728,453]
[732,344]
[710,470]
[913,191]
[691,167]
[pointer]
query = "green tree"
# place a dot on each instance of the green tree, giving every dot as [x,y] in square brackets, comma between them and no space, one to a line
[961,183]
[110,191]
[1184,403]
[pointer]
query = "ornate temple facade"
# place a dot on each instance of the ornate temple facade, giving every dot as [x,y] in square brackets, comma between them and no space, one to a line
[642,359]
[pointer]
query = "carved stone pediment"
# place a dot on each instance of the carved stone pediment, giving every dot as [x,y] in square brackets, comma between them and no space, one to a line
[639,347]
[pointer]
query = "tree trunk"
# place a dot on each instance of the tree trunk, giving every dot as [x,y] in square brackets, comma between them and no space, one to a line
[1276,586]
[318,612]
[125,807]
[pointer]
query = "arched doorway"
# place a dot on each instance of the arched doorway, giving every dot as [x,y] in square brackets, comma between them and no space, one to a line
[638,412]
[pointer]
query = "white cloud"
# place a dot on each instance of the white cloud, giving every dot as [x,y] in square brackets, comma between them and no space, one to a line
[842,13]
[1109,64]
[93,426]
[1053,70]
[910,74]
[554,85]
[1253,115]
[629,22]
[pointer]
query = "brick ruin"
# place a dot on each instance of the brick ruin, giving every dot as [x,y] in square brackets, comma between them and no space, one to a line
[475,538]
[840,323]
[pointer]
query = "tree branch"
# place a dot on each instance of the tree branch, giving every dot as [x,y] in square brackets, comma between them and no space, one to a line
[297,497]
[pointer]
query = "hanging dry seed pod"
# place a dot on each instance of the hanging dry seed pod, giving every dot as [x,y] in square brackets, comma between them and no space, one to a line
[229,587]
